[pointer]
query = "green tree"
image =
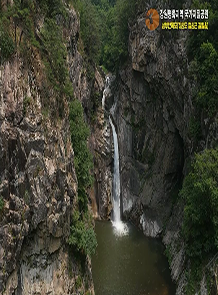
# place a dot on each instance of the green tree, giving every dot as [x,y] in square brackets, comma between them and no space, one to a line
[104,29]
[6,45]
[200,192]
[202,48]
[207,76]
[83,158]
[89,27]
[115,42]
[82,237]
[55,52]
[2,203]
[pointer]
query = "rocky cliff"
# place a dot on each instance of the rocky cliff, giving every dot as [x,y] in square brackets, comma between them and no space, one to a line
[38,184]
[153,115]
[153,107]
[151,104]
[90,93]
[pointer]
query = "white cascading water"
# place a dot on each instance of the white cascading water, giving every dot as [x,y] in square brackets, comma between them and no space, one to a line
[106,90]
[120,227]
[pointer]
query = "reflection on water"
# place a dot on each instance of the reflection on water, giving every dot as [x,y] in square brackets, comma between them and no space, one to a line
[129,265]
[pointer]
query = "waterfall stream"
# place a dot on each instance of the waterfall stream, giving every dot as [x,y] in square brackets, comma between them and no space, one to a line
[116,178]
[120,227]
[105,92]
[125,262]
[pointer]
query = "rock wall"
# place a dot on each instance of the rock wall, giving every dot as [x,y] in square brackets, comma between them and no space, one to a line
[152,115]
[90,93]
[38,184]
[101,144]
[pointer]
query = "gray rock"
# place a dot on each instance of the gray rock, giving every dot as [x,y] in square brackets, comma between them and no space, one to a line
[37,181]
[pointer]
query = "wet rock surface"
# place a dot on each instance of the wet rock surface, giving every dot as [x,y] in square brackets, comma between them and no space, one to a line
[101,143]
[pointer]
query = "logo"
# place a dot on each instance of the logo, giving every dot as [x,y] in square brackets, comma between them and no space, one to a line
[184,19]
[152,19]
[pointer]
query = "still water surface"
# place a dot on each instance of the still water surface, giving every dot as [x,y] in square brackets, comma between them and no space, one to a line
[129,265]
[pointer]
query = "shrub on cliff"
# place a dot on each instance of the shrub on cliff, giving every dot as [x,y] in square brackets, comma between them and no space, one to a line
[55,54]
[82,236]
[83,158]
[6,42]
[206,75]
[200,192]
[2,203]
[203,54]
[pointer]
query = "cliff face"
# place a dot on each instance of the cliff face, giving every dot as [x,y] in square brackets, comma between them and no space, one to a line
[101,143]
[90,93]
[152,117]
[155,110]
[152,112]
[38,184]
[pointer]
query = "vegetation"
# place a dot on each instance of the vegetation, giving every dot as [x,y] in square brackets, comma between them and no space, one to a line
[198,37]
[104,29]
[193,276]
[54,57]
[200,192]
[55,62]
[89,28]
[200,226]
[167,253]
[83,237]
[206,75]
[18,34]
[202,50]
[195,128]
[2,203]
[26,104]
[83,158]
[6,45]
[26,197]
[104,33]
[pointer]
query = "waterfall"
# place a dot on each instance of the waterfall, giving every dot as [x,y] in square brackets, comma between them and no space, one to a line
[116,178]
[105,92]
[120,227]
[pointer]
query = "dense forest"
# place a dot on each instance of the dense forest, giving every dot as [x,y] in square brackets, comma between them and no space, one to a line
[104,29]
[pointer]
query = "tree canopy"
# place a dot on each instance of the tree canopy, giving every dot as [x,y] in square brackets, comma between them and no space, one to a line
[200,192]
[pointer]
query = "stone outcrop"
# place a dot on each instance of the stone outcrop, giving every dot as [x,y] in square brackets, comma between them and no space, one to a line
[101,144]
[152,116]
[153,110]
[90,93]
[38,184]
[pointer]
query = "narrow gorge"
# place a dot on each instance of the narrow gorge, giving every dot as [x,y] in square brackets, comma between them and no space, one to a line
[108,131]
